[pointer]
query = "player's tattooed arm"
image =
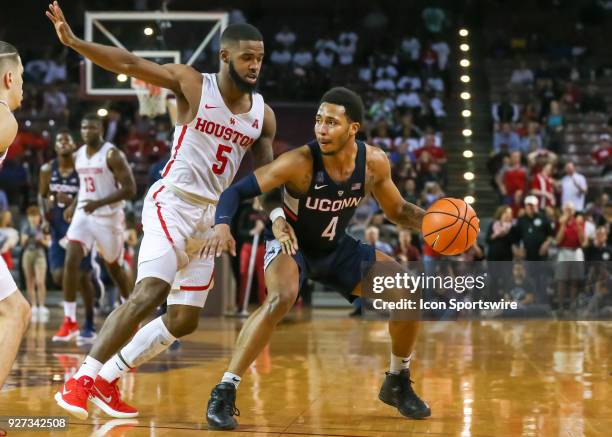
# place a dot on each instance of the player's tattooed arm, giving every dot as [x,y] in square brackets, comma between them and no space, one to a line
[123,174]
[380,184]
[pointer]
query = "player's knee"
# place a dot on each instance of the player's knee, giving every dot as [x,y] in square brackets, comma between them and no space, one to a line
[17,308]
[279,304]
[148,295]
[181,324]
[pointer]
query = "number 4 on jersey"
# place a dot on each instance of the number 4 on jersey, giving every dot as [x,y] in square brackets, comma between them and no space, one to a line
[330,230]
[219,168]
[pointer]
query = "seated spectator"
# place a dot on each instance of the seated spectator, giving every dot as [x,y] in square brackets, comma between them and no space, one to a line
[34,242]
[532,140]
[512,181]
[506,139]
[429,58]
[543,187]
[435,83]
[55,102]
[431,138]
[438,106]
[571,96]
[326,42]
[411,47]
[371,237]
[504,111]
[425,115]
[522,291]
[347,46]
[573,188]
[522,75]
[408,98]
[593,101]
[443,50]
[539,158]
[285,37]
[408,142]
[387,69]
[325,58]
[384,83]
[431,193]
[410,81]
[603,152]
[405,251]
[598,208]
[382,138]
[554,125]
[302,57]
[408,191]
[281,56]
[428,170]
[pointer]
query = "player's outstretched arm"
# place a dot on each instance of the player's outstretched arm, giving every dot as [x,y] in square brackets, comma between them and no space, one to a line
[284,169]
[397,210]
[116,59]
[123,174]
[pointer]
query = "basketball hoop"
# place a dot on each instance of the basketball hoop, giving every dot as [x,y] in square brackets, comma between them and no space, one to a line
[151,98]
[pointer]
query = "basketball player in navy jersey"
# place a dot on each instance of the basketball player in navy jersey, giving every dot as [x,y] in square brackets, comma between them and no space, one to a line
[58,185]
[14,309]
[323,183]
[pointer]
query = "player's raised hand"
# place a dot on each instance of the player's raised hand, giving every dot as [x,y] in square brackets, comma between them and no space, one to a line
[285,235]
[64,33]
[221,240]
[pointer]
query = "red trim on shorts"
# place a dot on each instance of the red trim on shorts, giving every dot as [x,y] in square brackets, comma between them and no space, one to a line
[179,143]
[161,217]
[289,212]
[198,288]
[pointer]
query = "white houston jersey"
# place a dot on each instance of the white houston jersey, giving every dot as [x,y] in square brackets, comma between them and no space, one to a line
[96,180]
[207,152]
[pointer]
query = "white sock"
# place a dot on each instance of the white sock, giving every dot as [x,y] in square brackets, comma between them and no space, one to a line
[231,378]
[150,340]
[399,363]
[90,367]
[70,310]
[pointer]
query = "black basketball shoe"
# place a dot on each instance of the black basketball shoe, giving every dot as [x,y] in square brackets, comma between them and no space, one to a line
[222,407]
[397,391]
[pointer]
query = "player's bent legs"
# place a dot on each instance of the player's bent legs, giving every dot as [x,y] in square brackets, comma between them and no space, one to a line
[87,294]
[282,280]
[121,278]
[14,318]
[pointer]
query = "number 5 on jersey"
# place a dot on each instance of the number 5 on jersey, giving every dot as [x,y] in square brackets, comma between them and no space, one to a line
[330,230]
[219,167]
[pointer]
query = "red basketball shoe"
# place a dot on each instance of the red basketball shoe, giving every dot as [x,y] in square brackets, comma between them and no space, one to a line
[107,396]
[74,395]
[67,331]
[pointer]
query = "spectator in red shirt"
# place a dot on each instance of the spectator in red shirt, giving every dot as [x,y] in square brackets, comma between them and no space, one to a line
[603,153]
[570,260]
[512,182]
[405,251]
[542,186]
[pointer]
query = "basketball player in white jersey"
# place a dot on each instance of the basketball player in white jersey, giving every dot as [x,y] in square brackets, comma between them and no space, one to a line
[105,182]
[14,309]
[219,118]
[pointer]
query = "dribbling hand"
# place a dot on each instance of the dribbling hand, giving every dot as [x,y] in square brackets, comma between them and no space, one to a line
[285,235]
[221,240]
[64,33]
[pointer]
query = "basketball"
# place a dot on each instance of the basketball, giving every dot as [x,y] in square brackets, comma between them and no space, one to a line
[450,226]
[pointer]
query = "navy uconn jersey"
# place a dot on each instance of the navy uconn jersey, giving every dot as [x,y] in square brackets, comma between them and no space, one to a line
[60,184]
[320,216]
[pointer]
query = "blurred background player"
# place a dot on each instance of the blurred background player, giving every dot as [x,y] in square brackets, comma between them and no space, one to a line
[14,309]
[220,116]
[58,185]
[96,214]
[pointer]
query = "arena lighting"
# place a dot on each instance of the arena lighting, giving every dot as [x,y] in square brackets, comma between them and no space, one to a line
[466,113]
[468,176]
[464,63]
[465,78]
[122,77]
[463,32]
[465,95]
[148,31]
[469,199]
[51,122]
[102,112]
[464,47]
[468,153]
[467,132]
[28,123]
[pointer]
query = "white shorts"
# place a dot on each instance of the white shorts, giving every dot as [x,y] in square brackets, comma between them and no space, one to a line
[105,231]
[168,222]
[7,283]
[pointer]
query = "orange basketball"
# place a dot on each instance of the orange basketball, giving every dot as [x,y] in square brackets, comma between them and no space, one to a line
[450,226]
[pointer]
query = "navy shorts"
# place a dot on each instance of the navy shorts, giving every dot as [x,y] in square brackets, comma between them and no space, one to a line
[57,256]
[340,270]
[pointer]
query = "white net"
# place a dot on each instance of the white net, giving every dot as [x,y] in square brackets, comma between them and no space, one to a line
[151,98]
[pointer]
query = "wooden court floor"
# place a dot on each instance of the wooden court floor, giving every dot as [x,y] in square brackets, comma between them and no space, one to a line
[321,374]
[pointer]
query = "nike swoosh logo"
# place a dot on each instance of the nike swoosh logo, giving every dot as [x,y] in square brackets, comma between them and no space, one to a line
[211,107]
[106,399]
[405,361]
[235,379]
[318,187]
[119,367]
[65,392]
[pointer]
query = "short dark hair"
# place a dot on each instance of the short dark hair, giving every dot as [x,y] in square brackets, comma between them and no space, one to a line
[8,54]
[240,32]
[353,105]
[63,131]
[92,117]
